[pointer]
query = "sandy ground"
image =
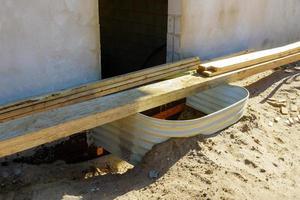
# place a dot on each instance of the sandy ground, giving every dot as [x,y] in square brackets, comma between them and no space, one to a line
[256,158]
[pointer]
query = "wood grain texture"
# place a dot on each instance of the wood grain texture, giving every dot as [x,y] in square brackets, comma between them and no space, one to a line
[95,90]
[31,131]
[286,59]
[246,60]
[207,66]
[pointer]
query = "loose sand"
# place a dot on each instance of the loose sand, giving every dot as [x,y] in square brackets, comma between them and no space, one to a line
[256,158]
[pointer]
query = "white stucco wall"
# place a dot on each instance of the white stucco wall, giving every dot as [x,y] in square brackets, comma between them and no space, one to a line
[211,28]
[47,45]
[54,44]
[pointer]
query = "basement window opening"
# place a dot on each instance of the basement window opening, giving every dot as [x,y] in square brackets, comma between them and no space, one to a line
[133,35]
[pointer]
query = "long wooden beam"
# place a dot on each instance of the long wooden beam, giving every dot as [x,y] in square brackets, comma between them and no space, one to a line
[246,60]
[95,85]
[95,90]
[41,128]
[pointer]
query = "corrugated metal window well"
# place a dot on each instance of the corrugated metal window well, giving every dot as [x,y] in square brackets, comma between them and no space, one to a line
[204,113]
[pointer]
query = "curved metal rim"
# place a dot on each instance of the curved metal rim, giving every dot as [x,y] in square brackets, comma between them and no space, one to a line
[132,137]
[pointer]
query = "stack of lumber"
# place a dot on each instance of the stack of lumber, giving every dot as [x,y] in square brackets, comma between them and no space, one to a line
[40,128]
[248,59]
[95,90]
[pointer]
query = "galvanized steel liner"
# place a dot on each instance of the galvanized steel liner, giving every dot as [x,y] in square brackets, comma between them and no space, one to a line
[131,138]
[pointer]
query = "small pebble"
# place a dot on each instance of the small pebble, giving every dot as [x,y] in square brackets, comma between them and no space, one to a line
[294,108]
[95,189]
[17,172]
[277,100]
[153,174]
[271,124]
[276,104]
[262,170]
[281,100]
[277,119]
[288,71]
[284,111]
[292,96]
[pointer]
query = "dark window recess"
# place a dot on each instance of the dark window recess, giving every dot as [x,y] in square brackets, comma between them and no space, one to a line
[133,35]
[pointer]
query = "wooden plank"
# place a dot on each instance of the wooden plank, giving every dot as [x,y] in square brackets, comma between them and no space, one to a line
[84,96]
[254,58]
[95,85]
[204,66]
[211,73]
[41,128]
[69,97]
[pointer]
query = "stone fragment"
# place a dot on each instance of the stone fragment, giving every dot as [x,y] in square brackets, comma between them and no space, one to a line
[277,100]
[284,111]
[288,71]
[153,174]
[294,108]
[276,104]
[277,119]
